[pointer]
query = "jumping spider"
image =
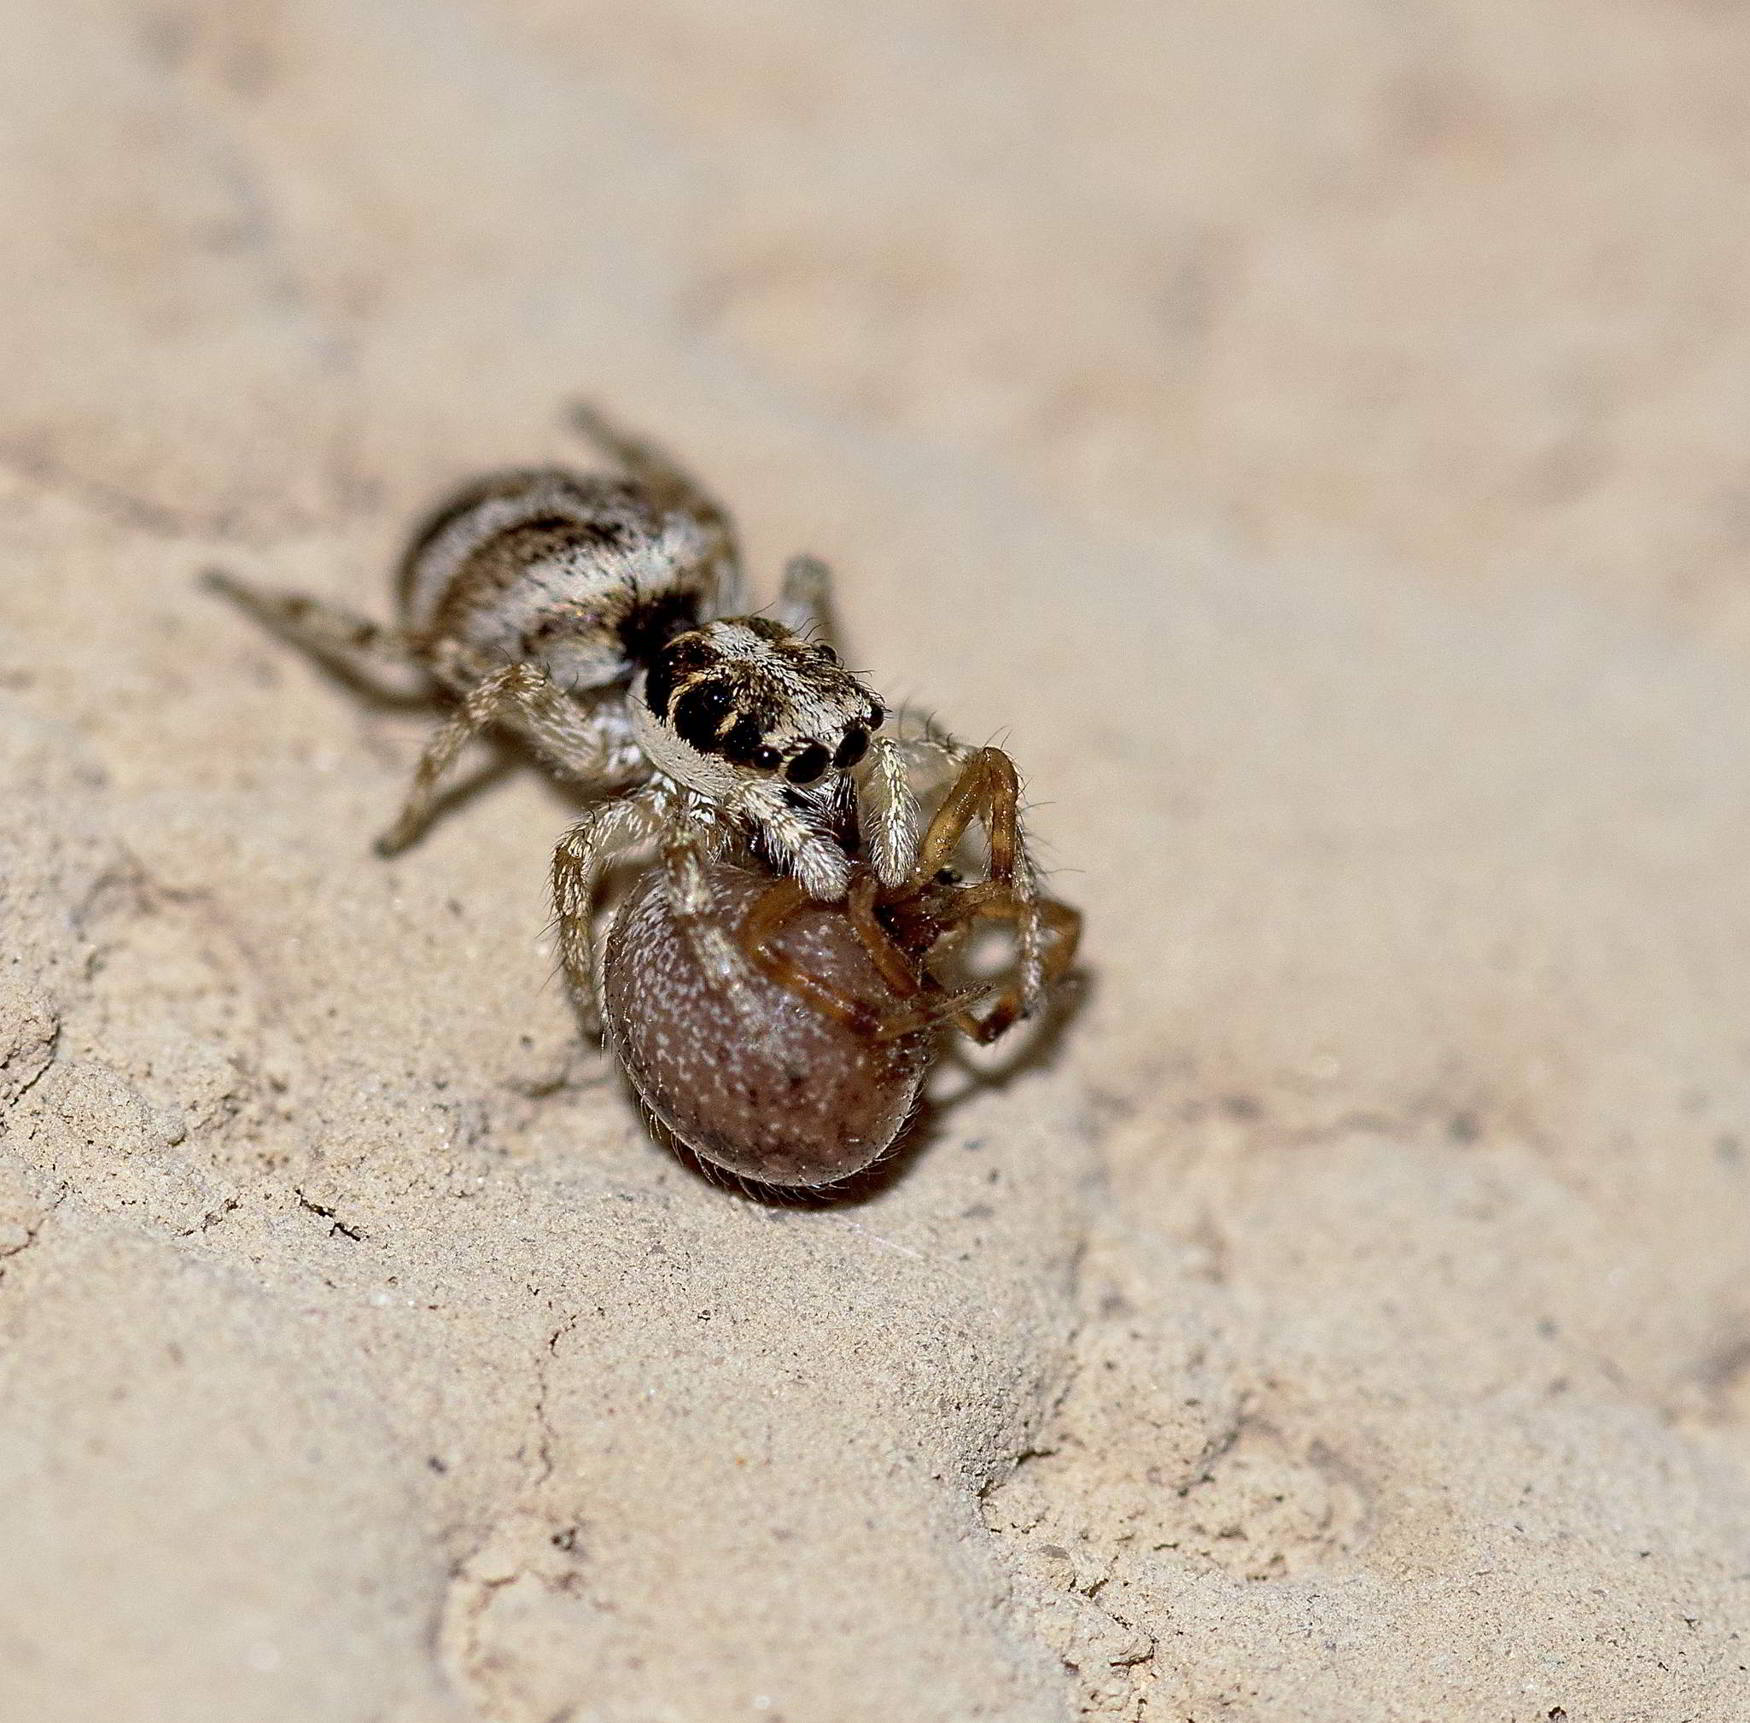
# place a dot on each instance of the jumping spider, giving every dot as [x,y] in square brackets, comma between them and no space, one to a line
[596,618]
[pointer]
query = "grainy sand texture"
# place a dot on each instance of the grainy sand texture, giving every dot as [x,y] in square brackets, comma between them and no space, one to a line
[1316,440]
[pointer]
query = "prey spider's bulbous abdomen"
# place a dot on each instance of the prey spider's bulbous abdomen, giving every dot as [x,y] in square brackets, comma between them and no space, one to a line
[748,1076]
[786,1039]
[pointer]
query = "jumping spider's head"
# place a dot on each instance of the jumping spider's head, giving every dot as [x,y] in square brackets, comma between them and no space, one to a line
[746,698]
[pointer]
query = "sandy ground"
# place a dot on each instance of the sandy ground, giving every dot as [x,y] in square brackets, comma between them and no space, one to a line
[1314,437]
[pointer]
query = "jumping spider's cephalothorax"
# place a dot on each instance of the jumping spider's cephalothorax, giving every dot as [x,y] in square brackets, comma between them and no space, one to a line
[596,617]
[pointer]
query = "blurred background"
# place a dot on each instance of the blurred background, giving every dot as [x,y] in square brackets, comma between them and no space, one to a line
[1450,291]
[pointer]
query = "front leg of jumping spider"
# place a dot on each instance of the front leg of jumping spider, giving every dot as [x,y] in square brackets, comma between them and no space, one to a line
[687,854]
[797,845]
[887,807]
[583,855]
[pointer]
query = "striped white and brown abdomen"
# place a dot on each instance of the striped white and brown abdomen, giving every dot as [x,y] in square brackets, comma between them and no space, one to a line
[582,576]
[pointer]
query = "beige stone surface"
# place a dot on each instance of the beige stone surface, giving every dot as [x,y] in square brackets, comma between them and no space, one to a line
[1315,438]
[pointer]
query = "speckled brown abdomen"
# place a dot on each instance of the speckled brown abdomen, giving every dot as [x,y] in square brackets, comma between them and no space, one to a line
[766,1085]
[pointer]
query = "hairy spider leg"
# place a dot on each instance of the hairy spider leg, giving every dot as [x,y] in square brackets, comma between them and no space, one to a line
[886,799]
[798,845]
[579,861]
[578,741]
[1060,930]
[891,808]
[687,850]
[351,643]
[989,790]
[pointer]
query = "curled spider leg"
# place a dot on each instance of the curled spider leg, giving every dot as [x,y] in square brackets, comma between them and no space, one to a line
[331,634]
[923,1003]
[903,926]
[1060,933]
[777,906]
[896,969]
[579,861]
[764,921]
[762,924]
[930,1003]
[989,791]
[575,740]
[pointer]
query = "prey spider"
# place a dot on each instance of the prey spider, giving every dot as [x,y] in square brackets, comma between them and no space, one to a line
[787,1040]
[599,619]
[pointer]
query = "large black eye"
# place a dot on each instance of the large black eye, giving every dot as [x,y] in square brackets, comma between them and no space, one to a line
[877,714]
[854,746]
[699,712]
[686,656]
[744,742]
[808,765]
[828,654]
[767,759]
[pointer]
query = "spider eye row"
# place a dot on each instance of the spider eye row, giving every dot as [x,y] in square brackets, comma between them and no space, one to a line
[700,715]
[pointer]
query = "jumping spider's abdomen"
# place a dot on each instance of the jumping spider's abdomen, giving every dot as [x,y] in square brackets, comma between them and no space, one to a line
[585,577]
[754,1078]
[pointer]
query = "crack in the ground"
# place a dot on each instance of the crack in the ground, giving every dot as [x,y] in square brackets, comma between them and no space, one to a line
[321,1210]
[543,1425]
[51,1049]
[212,1218]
